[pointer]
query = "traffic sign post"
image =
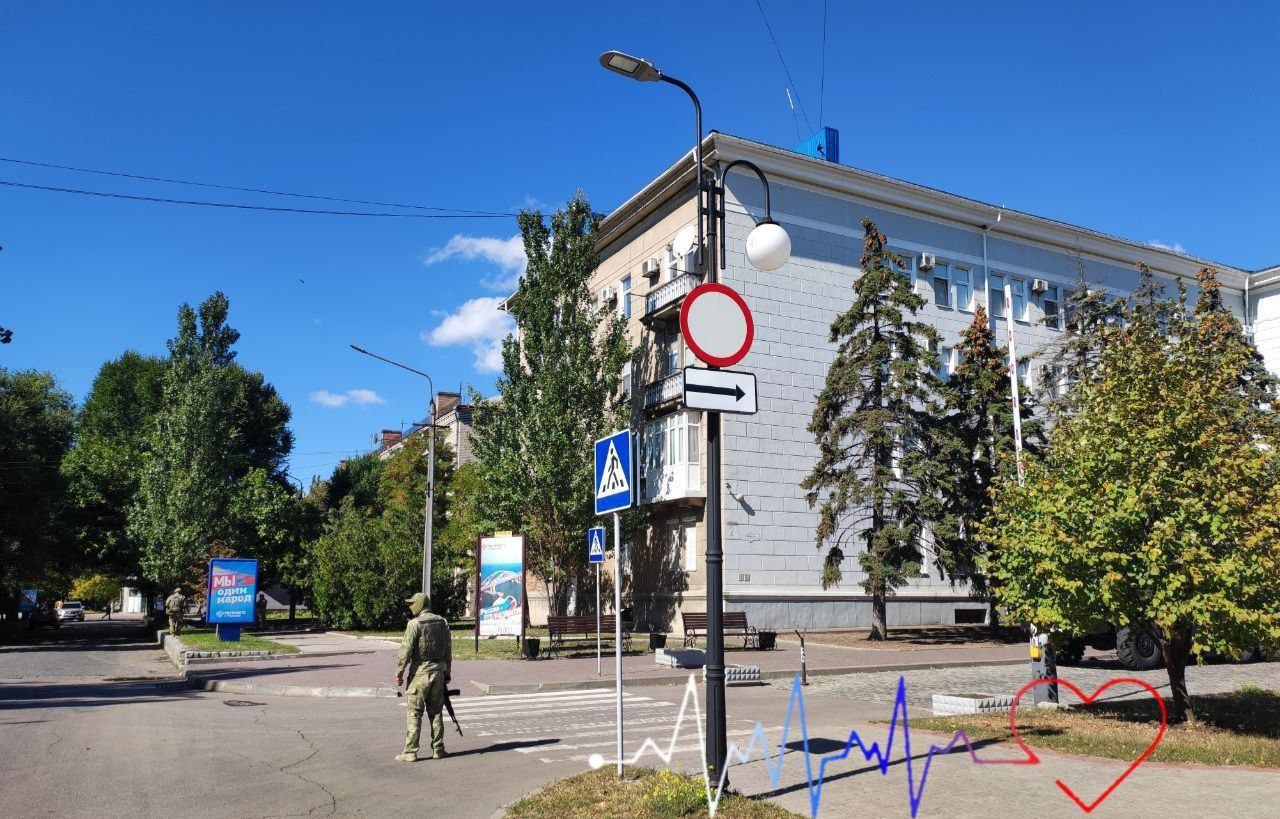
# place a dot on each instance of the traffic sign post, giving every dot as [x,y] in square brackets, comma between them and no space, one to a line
[615,491]
[595,556]
[720,390]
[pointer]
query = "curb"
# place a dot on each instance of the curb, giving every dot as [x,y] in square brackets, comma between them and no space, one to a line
[680,679]
[198,683]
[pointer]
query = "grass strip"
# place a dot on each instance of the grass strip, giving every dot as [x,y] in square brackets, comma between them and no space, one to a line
[204,639]
[644,793]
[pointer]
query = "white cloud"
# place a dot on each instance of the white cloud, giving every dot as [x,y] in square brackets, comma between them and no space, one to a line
[507,254]
[479,325]
[340,399]
[1175,247]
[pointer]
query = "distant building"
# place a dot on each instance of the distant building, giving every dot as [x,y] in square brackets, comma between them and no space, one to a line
[452,417]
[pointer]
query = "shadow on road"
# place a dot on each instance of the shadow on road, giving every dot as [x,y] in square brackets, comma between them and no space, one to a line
[498,747]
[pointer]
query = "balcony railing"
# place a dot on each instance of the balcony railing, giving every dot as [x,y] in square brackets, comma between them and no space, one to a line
[666,389]
[666,298]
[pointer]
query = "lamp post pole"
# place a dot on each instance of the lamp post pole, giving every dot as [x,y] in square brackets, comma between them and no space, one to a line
[774,248]
[429,502]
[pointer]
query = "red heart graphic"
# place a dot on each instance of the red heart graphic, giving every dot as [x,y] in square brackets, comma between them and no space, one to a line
[1032,759]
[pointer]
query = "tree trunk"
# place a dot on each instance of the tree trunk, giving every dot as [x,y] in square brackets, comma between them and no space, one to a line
[879,620]
[1175,651]
[993,616]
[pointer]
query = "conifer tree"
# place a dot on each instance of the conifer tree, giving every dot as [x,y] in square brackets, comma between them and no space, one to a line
[1089,315]
[979,404]
[559,392]
[878,480]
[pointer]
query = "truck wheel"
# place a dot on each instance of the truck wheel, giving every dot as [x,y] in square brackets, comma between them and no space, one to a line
[1137,650]
[1071,652]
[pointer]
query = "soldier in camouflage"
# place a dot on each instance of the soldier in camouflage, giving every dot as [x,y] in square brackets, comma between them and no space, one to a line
[427,653]
[175,606]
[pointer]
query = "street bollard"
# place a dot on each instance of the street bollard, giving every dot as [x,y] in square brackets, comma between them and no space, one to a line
[1042,666]
[804,670]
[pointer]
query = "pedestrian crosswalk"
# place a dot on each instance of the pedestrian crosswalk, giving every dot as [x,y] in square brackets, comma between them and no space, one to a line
[571,726]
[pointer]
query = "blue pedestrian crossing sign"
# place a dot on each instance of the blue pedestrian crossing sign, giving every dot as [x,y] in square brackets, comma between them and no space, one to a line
[614,473]
[595,544]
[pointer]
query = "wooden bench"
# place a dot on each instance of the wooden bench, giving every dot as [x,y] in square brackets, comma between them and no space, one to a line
[733,622]
[563,631]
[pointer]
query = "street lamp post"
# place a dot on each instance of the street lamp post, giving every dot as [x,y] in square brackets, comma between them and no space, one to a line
[768,248]
[429,504]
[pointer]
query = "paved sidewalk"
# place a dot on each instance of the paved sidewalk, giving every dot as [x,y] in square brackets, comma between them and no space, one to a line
[339,665]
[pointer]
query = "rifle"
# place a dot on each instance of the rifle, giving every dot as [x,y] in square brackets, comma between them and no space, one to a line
[448,706]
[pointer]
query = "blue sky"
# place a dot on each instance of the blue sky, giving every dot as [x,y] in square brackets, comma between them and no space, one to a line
[1152,121]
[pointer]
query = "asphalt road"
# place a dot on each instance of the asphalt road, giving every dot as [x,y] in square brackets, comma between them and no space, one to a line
[78,740]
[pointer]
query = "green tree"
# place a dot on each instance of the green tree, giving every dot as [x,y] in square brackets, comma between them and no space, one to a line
[1158,504]
[96,588]
[979,405]
[37,421]
[105,466]
[219,424]
[362,569]
[879,475]
[559,391]
[1089,314]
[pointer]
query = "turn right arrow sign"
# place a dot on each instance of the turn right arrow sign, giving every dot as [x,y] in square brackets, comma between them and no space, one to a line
[720,390]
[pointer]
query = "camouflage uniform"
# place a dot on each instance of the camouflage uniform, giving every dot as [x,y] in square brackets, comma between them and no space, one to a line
[427,652]
[174,606]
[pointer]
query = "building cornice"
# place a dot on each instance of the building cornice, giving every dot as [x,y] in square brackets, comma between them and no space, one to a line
[847,181]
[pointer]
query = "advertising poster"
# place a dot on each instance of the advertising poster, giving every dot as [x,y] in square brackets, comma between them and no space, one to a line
[233,586]
[27,600]
[500,592]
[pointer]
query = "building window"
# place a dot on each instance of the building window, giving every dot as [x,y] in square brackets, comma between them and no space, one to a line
[690,547]
[962,282]
[905,264]
[624,297]
[941,286]
[1023,374]
[1052,316]
[995,296]
[944,363]
[625,377]
[668,352]
[1018,290]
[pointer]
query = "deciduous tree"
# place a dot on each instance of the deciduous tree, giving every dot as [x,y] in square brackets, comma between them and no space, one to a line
[1158,504]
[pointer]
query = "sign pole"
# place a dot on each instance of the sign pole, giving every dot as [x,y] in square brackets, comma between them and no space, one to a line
[617,628]
[599,672]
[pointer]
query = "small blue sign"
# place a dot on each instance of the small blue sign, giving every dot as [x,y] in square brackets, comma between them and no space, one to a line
[595,544]
[614,475]
[233,587]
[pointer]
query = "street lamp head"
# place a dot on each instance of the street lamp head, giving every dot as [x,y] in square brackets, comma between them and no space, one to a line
[768,246]
[628,66]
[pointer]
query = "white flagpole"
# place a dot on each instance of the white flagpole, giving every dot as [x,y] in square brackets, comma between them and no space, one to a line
[1013,379]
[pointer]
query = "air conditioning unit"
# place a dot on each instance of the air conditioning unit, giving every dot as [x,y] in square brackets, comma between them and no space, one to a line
[927,261]
[608,295]
[651,268]
[1039,285]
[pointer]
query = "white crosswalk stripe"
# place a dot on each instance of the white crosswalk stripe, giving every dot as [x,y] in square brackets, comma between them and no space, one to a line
[568,726]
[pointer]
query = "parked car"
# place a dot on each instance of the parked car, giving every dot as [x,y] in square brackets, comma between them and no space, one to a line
[43,618]
[71,610]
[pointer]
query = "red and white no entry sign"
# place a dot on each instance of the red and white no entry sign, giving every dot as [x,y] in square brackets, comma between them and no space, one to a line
[716,324]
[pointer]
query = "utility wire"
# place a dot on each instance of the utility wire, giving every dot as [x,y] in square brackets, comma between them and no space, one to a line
[822,86]
[239,206]
[783,60]
[124,175]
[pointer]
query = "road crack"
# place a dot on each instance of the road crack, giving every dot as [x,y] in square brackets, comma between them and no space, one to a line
[286,769]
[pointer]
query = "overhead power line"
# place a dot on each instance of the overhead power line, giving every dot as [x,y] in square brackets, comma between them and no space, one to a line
[822,84]
[166,180]
[241,206]
[785,69]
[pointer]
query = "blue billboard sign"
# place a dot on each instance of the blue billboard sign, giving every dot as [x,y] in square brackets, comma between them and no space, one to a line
[233,587]
[615,476]
[27,600]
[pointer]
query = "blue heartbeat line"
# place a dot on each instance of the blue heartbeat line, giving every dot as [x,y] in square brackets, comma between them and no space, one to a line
[773,763]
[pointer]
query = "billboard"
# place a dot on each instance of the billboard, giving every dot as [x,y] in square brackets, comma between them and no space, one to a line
[233,586]
[27,600]
[500,586]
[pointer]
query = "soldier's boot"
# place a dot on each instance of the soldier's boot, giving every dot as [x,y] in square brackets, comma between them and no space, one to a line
[440,754]
[407,757]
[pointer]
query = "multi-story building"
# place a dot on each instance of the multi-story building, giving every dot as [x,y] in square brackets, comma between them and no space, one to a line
[959,254]
[453,417]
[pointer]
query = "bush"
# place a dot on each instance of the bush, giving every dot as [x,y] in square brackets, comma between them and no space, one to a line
[673,794]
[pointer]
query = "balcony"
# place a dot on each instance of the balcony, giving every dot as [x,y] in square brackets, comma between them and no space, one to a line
[679,483]
[666,390]
[665,300]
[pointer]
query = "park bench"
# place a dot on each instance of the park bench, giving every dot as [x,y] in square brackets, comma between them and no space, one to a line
[734,622]
[564,631]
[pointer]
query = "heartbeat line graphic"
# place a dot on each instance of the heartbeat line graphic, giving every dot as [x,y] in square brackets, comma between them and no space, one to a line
[773,764]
